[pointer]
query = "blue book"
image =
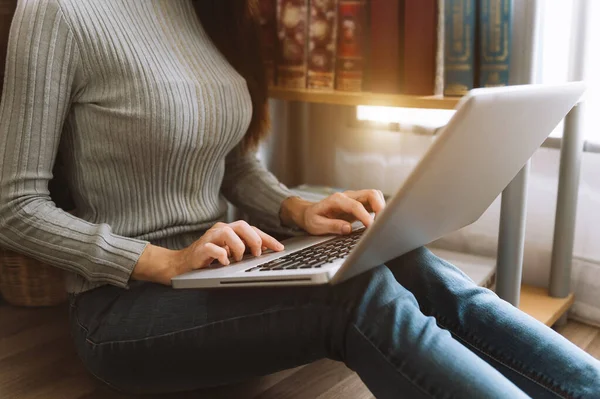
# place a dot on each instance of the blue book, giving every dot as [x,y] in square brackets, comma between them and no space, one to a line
[459,52]
[495,35]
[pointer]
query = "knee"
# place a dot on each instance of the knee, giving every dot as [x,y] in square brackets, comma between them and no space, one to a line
[422,270]
[366,294]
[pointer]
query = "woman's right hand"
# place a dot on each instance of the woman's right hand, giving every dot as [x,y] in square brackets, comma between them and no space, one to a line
[220,242]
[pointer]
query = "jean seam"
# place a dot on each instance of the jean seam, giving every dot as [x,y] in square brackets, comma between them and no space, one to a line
[387,359]
[169,334]
[84,328]
[527,374]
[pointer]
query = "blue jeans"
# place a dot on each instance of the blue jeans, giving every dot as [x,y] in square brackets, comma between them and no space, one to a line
[414,328]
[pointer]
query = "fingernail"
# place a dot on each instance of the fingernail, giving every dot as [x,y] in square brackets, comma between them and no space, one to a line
[258,252]
[346,229]
[280,246]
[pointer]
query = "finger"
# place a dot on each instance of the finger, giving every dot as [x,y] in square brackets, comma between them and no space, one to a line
[212,251]
[227,237]
[371,199]
[249,236]
[351,206]
[324,225]
[268,241]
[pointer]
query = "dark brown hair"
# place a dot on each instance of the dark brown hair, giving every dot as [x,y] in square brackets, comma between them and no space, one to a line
[233,27]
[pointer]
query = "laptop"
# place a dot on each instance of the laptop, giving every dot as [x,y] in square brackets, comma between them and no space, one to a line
[492,135]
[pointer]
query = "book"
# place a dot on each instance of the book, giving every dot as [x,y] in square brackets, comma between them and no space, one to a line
[385,46]
[459,53]
[268,35]
[439,57]
[366,51]
[349,64]
[420,47]
[292,30]
[495,36]
[322,44]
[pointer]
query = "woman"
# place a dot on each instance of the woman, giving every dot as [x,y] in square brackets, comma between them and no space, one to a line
[155,107]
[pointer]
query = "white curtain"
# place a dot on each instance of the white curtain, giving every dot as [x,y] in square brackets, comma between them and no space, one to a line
[561,25]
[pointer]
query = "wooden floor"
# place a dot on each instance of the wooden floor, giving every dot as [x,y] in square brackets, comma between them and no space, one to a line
[37,361]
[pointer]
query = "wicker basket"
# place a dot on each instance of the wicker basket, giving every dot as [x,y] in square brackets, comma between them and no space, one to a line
[27,282]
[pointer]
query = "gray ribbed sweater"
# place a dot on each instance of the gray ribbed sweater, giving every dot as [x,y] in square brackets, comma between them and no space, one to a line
[147,115]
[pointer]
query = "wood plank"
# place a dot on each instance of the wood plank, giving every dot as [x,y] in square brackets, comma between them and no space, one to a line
[104,392]
[67,388]
[16,320]
[17,370]
[363,98]
[253,388]
[351,387]
[594,347]
[537,303]
[32,337]
[42,378]
[578,333]
[310,382]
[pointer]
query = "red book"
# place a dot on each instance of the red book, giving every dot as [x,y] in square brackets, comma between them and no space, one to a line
[322,44]
[420,47]
[385,46]
[292,25]
[268,36]
[350,46]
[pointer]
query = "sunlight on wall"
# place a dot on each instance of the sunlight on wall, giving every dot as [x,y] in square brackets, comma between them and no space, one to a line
[405,116]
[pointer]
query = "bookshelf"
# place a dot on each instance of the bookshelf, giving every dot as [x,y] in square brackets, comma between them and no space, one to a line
[363,98]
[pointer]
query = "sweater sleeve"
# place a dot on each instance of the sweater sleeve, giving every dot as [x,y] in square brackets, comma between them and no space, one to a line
[252,188]
[42,80]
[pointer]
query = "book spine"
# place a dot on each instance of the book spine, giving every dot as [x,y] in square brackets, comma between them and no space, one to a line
[439,58]
[420,46]
[366,78]
[495,35]
[322,44]
[350,57]
[459,47]
[268,35]
[292,26]
[385,46]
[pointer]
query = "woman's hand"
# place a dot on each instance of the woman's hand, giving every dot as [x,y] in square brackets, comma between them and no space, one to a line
[220,242]
[334,214]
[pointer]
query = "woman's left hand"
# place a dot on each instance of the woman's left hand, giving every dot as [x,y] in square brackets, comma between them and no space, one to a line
[334,214]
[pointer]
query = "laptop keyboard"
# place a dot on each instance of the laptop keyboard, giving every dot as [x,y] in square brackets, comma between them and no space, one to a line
[313,257]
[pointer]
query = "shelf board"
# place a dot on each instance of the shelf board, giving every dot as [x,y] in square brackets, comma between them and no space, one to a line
[363,98]
[537,303]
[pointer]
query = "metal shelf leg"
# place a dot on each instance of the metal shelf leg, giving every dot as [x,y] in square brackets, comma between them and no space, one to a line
[570,163]
[566,205]
[511,240]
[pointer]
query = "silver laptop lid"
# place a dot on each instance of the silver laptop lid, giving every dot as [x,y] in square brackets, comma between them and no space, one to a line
[490,138]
